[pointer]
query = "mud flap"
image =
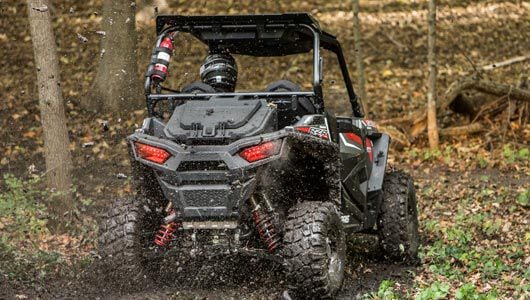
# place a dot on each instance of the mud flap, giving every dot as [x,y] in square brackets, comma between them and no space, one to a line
[324,151]
[380,154]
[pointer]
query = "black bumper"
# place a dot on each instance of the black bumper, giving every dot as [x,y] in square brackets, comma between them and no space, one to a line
[195,201]
[206,182]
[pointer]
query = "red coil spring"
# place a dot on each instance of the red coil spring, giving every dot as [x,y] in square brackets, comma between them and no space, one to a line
[165,234]
[266,230]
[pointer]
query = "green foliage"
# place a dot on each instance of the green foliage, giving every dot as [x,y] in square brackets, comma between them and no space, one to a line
[483,162]
[455,254]
[431,155]
[491,227]
[384,292]
[524,154]
[508,153]
[436,291]
[21,209]
[523,197]
[468,291]
[22,221]
[27,264]
[431,225]
[511,155]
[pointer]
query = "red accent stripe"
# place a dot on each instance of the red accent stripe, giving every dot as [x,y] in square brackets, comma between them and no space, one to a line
[304,129]
[369,148]
[353,138]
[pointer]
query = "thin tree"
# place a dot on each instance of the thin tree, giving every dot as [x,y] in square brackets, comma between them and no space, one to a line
[432,127]
[56,153]
[116,87]
[361,90]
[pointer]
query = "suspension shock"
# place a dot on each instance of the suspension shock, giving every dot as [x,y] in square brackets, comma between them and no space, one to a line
[165,234]
[264,224]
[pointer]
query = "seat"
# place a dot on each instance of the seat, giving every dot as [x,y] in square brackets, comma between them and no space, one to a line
[198,87]
[283,85]
[289,110]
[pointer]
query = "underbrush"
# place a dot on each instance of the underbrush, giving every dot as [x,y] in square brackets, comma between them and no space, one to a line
[473,207]
[29,251]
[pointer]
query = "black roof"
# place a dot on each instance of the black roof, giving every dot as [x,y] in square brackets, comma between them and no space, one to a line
[257,35]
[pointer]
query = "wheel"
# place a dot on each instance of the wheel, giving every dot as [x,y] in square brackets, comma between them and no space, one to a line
[398,218]
[126,234]
[314,250]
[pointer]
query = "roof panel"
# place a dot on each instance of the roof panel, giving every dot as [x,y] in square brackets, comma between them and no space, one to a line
[257,35]
[219,20]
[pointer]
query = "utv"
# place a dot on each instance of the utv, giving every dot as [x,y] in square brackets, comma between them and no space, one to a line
[271,173]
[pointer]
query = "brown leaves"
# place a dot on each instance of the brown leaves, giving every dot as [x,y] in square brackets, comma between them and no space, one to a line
[29,134]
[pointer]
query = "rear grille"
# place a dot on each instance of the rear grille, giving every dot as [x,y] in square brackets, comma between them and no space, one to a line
[212,165]
[208,142]
[202,182]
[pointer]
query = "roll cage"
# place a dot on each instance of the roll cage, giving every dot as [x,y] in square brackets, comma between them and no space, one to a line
[254,35]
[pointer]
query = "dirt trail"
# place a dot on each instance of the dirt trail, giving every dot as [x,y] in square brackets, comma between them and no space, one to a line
[358,282]
[248,278]
[239,278]
[360,279]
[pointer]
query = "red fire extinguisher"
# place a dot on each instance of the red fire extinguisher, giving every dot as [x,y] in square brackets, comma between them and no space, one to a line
[164,51]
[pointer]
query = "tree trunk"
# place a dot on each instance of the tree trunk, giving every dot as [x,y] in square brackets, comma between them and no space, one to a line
[117,86]
[432,128]
[57,155]
[361,91]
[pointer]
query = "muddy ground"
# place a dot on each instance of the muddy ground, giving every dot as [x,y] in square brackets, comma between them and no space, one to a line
[248,278]
[242,278]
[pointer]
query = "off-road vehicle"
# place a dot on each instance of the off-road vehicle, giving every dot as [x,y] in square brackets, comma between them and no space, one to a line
[271,173]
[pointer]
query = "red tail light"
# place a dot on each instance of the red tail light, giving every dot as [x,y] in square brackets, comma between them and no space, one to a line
[151,153]
[261,151]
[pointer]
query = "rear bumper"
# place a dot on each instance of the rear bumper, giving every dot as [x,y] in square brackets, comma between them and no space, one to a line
[195,201]
[206,182]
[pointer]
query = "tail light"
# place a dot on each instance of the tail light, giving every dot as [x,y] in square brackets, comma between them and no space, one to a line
[151,153]
[261,151]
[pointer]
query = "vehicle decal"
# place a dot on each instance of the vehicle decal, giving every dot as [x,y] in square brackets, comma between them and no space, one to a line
[319,132]
[315,131]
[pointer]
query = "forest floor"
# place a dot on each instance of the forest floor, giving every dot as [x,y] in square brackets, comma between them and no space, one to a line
[472,193]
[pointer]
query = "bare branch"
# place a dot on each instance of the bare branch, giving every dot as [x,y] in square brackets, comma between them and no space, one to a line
[505,63]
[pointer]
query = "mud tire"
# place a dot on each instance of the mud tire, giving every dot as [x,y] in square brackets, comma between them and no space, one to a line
[314,250]
[125,237]
[398,218]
